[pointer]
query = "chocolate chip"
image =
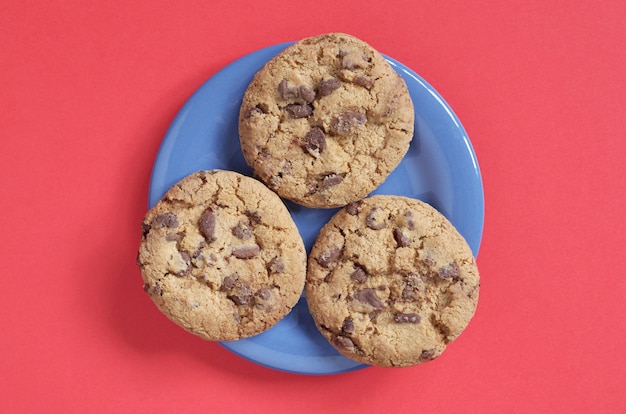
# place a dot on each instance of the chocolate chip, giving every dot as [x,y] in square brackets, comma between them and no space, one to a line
[299,111]
[187,259]
[287,168]
[352,60]
[276,265]
[166,220]
[315,141]
[407,318]
[307,93]
[364,81]
[327,86]
[254,216]
[373,219]
[174,236]
[327,258]
[348,121]
[354,208]
[374,314]
[242,294]
[229,282]
[207,225]
[348,326]
[451,271]
[359,275]
[343,342]
[410,223]
[332,180]
[410,293]
[246,252]
[402,239]
[285,91]
[427,354]
[145,229]
[242,231]
[312,187]
[250,112]
[198,250]
[153,290]
[264,293]
[369,297]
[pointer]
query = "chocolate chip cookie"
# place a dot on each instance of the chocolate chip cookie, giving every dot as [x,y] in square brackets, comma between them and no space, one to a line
[325,121]
[221,256]
[391,282]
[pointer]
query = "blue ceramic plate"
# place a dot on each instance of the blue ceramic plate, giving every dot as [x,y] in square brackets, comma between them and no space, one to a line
[440,168]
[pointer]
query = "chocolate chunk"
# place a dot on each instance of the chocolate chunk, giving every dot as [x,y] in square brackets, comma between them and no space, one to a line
[410,293]
[153,290]
[264,293]
[364,81]
[312,187]
[242,231]
[451,271]
[407,318]
[285,91]
[410,223]
[246,252]
[174,236]
[352,60]
[402,239]
[332,180]
[250,112]
[241,294]
[229,282]
[254,216]
[207,225]
[348,326]
[276,265]
[369,297]
[168,220]
[343,342]
[327,258]
[145,229]
[359,275]
[315,141]
[348,121]
[327,86]
[374,314]
[299,111]
[198,250]
[354,208]
[373,219]
[427,354]
[306,93]
[287,168]
[187,259]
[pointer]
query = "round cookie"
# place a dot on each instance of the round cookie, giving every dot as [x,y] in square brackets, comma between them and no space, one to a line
[221,257]
[325,121]
[391,282]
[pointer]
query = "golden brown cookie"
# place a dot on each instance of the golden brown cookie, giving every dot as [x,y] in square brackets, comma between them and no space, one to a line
[325,121]
[391,282]
[221,256]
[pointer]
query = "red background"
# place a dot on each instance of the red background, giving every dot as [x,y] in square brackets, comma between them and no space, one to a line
[87,91]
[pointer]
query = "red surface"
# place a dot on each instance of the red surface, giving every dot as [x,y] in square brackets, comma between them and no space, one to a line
[87,92]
